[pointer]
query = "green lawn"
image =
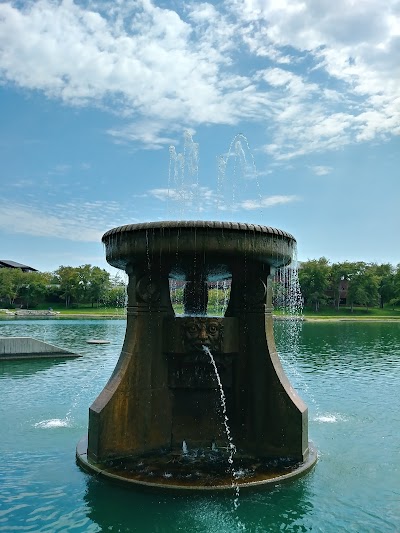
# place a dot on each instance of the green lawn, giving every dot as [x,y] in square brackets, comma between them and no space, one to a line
[83,309]
[358,312]
[324,313]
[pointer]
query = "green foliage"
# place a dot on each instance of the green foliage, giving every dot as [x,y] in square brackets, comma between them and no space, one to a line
[217,301]
[67,279]
[340,272]
[365,284]
[314,281]
[12,281]
[115,296]
[83,284]
[36,288]
[395,299]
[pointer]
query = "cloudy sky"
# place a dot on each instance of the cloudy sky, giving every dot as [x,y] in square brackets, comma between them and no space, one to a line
[277,112]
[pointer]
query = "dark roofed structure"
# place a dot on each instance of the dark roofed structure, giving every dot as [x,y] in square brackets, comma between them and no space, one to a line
[5,263]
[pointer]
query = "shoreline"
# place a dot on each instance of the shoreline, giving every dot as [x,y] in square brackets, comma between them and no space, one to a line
[123,317]
[352,319]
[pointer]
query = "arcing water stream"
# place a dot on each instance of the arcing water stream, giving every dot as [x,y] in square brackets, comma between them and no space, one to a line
[231,446]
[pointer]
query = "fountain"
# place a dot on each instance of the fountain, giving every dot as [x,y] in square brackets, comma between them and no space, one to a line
[160,421]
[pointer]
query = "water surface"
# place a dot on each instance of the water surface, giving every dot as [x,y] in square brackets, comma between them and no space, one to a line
[347,373]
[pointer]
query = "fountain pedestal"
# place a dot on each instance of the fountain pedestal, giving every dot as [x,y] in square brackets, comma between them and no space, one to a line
[164,390]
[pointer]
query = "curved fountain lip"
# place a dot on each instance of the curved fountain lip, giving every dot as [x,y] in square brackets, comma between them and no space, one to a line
[298,471]
[218,242]
[182,224]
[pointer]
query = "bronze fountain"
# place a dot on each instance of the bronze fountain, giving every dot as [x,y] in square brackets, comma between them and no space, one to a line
[158,421]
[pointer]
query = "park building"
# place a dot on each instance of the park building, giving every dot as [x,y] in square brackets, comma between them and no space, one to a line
[6,263]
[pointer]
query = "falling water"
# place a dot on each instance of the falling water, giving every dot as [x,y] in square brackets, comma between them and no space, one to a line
[185,449]
[183,179]
[289,301]
[236,171]
[231,446]
[176,289]
[218,297]
[237,185]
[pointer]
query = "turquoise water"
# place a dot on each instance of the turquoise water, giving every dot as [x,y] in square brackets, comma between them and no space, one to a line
[347,373]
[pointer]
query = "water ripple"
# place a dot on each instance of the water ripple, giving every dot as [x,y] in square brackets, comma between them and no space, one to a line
[348,375]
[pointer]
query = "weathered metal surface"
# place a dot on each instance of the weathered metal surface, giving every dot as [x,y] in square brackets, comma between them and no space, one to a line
[188,246]
[164,389]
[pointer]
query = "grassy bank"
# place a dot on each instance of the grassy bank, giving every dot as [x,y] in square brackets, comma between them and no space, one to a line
[328,313]
[358,313]
[80,311]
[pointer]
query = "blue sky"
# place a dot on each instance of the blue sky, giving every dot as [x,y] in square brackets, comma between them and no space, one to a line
[284,113]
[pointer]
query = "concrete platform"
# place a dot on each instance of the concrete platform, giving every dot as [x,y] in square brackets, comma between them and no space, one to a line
[12,348]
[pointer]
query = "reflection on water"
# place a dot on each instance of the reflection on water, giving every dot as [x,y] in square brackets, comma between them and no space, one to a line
[347,373]
[20,368]
[112,510]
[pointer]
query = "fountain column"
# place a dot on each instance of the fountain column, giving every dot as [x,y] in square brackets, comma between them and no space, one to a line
[271,419]
[132,414]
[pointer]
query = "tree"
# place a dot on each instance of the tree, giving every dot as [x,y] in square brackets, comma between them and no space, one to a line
[314,281]
[341,272]
[218,298]
[99,284]
[12,280]
[386,276]
[363,286]
[68,280]
[115,295]
[396,291]
[36,288]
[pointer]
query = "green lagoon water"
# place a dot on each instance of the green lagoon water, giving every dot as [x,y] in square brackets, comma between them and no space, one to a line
[347,373]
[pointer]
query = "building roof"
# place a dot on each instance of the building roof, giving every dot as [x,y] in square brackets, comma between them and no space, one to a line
[6,263]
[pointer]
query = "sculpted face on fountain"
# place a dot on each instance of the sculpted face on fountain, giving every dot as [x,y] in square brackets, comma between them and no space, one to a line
[198,332]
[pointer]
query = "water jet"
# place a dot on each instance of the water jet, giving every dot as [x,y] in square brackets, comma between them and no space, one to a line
[165,391]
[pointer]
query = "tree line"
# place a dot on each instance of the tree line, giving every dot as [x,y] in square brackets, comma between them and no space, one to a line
[321,283]
[365,284]
[81,285]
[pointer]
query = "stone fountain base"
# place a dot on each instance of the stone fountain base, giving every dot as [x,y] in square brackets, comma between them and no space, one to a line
[197,470]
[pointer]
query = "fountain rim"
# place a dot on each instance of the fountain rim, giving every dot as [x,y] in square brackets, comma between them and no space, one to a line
[241,227]
[88,466]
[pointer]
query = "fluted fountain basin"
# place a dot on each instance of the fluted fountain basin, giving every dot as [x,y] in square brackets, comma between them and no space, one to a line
[213,246]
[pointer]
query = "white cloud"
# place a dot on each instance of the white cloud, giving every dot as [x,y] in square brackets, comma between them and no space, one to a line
[74,221]
[321,170]
[330,73]
[208,199]
[21,218]
[356,44]
[187,196]
[149,132]
[267,201]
